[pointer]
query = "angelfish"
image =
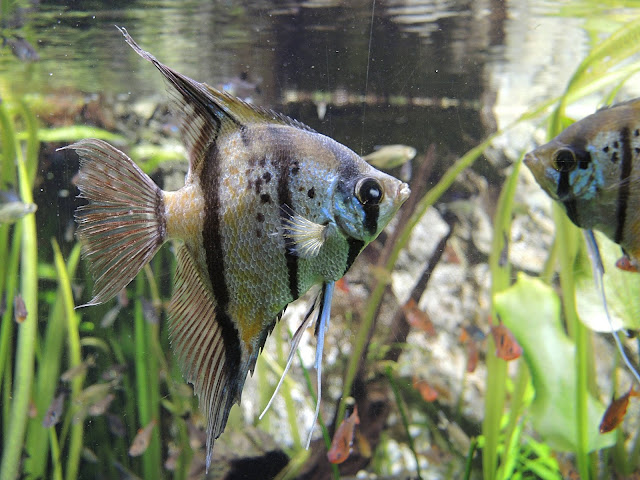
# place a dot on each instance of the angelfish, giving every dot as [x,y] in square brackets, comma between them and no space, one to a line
[592,170]
[269,209]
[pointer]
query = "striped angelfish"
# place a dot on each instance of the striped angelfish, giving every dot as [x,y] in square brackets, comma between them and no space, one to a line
[269,209]
[592,169]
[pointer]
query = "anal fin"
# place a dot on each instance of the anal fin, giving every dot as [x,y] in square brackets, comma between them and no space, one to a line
[198,342]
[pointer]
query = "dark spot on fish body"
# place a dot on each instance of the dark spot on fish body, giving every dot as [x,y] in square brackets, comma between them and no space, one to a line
[616,144]
[636,132]
[624,188]
[214,254]
[265,198]
[263,162]
[258,184]
[266,176]
[606,149]
[637,150]
[584,159]
[260,217]
[258,233]
[614,157]
[295,169]
[311,193]
[244,136]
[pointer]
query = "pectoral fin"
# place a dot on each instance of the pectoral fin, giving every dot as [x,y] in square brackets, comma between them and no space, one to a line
[304,237]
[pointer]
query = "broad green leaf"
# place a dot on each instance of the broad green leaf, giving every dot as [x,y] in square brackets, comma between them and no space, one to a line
[73,133]
[531,310]
[622,290]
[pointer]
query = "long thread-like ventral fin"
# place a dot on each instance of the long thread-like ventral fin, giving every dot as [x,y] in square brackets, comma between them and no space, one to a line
[123,224]
[295,341]
[324,313]
[598,274]
[198,343]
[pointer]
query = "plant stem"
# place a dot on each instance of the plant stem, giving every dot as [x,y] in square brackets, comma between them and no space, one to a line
[568,236]
[75,359]
[378,291]
[12,453]
[404,417]
[496,367]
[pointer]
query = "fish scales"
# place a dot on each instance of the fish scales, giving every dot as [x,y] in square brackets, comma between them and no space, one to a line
[592,170]
[269,209]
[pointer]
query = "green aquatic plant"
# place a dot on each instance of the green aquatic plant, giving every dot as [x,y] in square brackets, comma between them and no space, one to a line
[17,403]
[553,409]
[596,71]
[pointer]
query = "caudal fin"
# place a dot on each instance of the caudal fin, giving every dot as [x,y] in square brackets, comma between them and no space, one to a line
[123,225]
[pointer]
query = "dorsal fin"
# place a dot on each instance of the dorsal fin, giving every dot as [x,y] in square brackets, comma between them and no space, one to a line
[204,112]
[248,114]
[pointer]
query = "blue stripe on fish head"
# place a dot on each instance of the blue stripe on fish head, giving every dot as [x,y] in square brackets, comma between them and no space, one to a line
[350,214]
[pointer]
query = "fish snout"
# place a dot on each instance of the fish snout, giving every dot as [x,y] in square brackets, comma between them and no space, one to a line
[530,159]
[403,192]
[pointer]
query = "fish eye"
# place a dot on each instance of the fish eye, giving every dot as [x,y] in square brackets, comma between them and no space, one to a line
[369,191]
[564,160]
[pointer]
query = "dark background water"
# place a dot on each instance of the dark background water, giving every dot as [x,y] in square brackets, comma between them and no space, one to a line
[386,51]
[387,72]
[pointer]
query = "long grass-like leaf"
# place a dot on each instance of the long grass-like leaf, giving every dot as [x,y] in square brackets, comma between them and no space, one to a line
[49,370]
[147,383]
[8,326]
[13,442]
[8,135]
[75,358]
[32,142]
[404,417]
[497,368]
[603,57]
[55,455]
[378,291]
[569,237]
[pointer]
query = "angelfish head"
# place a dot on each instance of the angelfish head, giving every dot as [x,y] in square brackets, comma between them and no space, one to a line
[365,201]
[562,170]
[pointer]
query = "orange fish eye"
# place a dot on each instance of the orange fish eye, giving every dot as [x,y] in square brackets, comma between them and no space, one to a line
[564,160]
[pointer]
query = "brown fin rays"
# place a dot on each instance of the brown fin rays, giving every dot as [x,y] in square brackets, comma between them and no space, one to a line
[197,339]
[204,112]
[201,117]
[123,225]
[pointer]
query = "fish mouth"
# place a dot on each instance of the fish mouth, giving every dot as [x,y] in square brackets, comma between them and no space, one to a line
[530,159]
[403,193]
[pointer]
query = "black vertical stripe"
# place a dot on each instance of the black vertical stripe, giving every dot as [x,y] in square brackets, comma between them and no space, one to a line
[623,191]
[563,185]
[282,161]
[213,248]
[569,205]
[160,215]
[572,211]
[355,247]
[370,221]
